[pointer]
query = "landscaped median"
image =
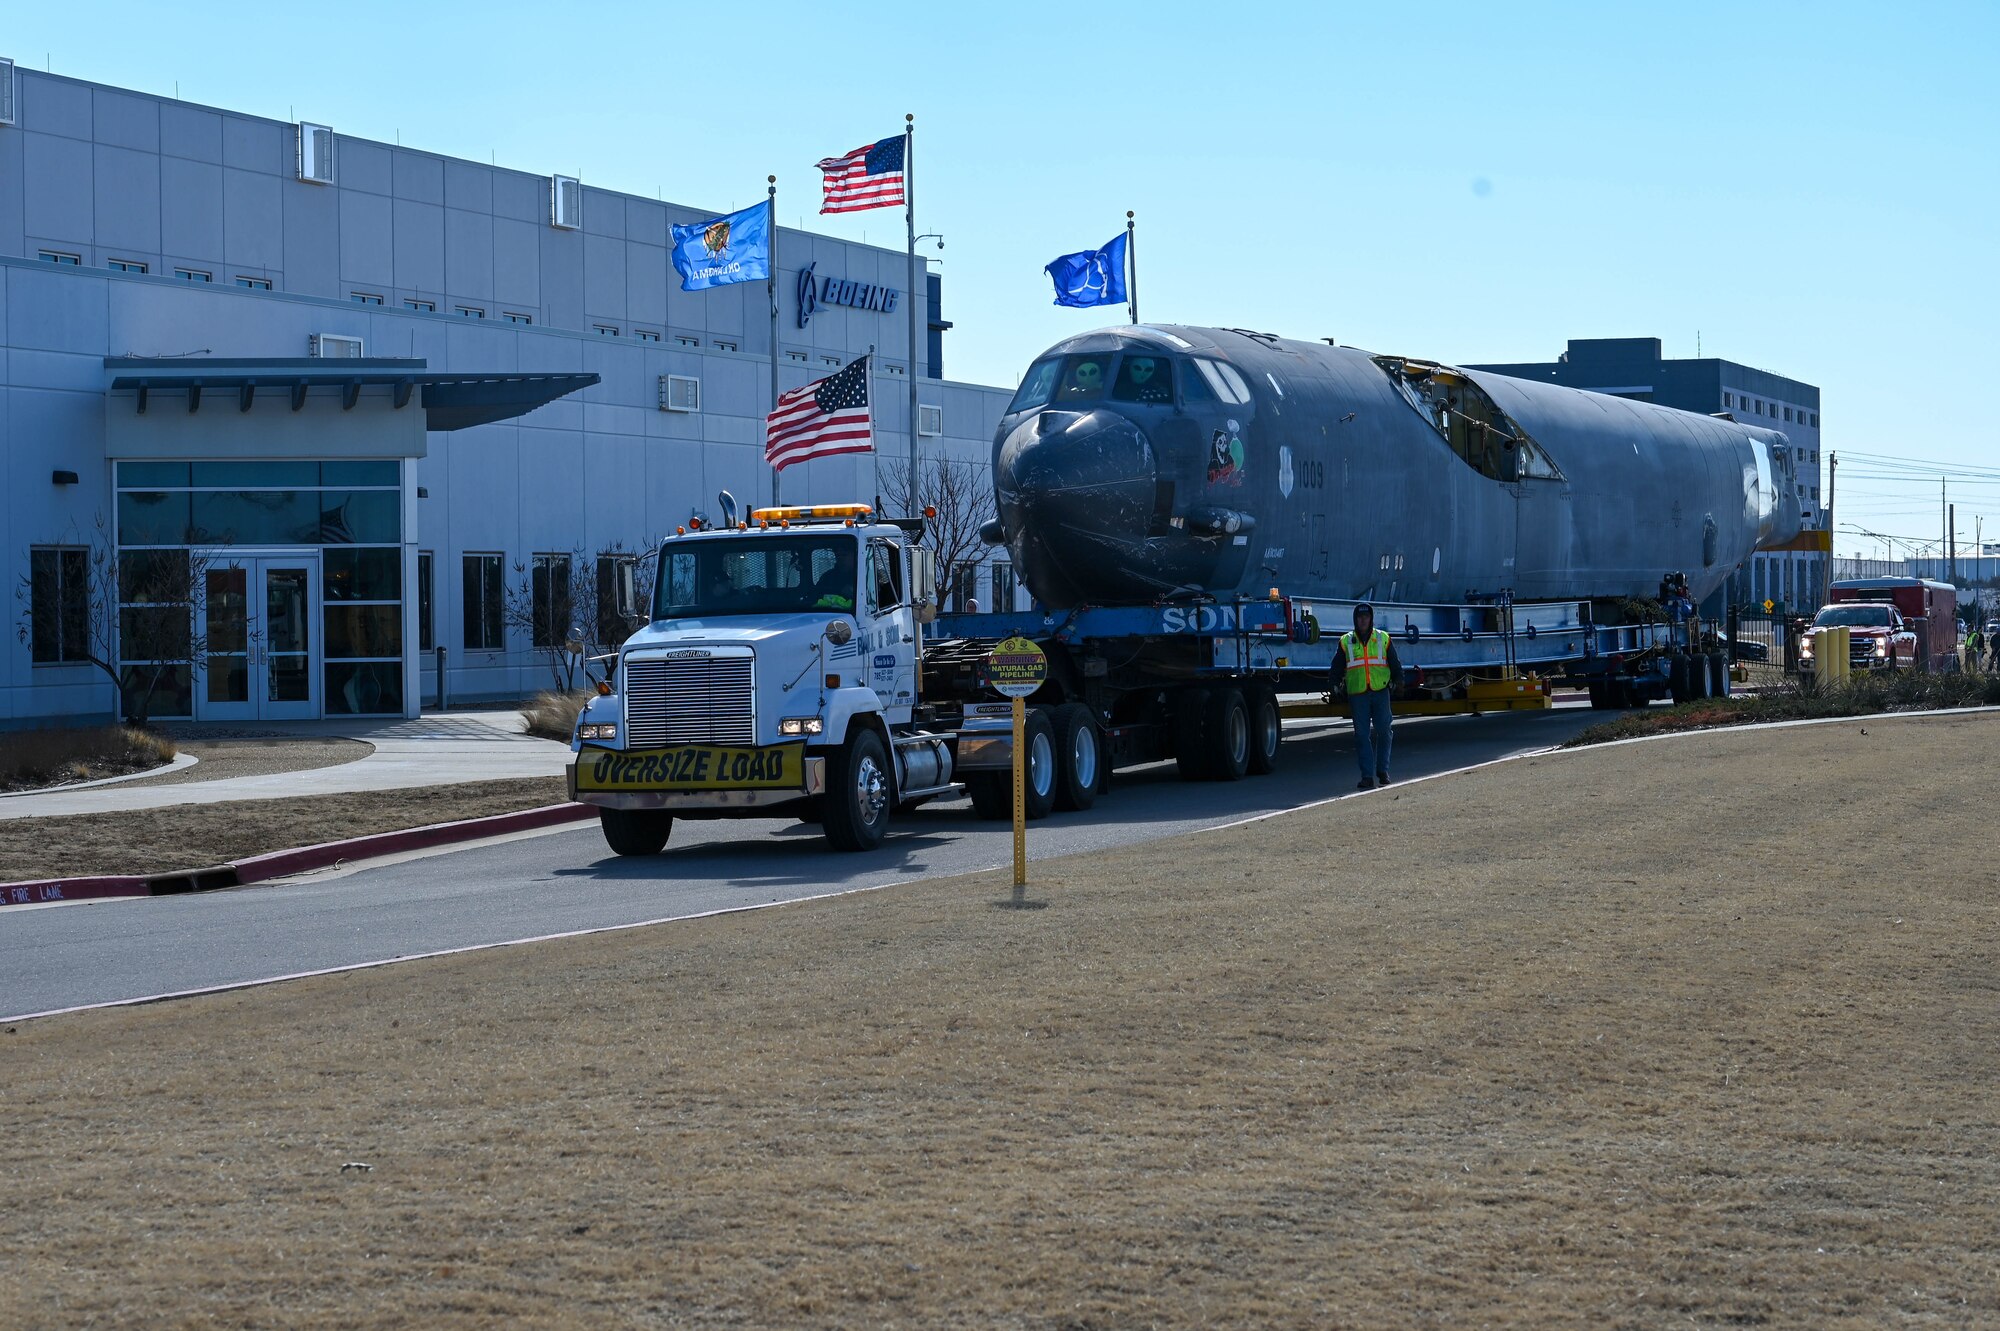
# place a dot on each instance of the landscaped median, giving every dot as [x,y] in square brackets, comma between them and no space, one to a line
[43,759]
[175,846]
[1865,695]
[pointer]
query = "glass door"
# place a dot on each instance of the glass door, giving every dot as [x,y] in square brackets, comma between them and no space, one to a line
[225,694]
[261,661]
[286,671]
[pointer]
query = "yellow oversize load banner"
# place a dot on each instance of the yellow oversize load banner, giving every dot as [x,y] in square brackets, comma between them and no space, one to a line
[693,767]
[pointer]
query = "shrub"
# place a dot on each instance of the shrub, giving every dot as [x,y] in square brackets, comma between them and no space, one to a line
[553,715]
[1806,699]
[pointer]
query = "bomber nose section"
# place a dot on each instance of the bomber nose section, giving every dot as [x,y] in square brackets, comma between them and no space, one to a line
[1075,493]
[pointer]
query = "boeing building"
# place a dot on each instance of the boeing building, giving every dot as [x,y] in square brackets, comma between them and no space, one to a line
[377,406]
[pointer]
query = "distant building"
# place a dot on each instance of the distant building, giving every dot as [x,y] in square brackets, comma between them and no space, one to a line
[1633,367]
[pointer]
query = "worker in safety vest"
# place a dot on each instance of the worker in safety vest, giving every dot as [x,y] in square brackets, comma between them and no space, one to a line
[1366,669]
[1974,646]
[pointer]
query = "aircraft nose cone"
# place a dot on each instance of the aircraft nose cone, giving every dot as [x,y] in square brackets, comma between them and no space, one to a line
[1075,492]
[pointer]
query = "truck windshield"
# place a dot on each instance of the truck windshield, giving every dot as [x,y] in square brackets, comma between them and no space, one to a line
[756,575]
[1853,617]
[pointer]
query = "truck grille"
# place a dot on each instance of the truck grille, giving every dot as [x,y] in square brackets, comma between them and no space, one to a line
[690,700]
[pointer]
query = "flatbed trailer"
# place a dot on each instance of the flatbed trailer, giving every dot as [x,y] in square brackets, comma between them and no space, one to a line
[1184,679]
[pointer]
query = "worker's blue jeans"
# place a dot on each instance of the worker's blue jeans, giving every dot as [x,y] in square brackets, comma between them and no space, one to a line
[1371,731]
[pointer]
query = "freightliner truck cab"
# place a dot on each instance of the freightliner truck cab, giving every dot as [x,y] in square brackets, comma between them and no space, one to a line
[776,674]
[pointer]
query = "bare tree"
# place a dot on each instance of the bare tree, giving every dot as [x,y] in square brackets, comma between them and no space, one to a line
[135,615]
[960,497]
[567,605]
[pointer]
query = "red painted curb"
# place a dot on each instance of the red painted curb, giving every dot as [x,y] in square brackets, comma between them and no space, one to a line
[70,889]
[303,859]
[279,863]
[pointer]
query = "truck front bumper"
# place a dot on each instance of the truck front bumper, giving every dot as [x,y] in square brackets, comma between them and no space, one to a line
[644,787]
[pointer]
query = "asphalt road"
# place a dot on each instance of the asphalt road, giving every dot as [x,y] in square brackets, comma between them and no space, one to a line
[529,887]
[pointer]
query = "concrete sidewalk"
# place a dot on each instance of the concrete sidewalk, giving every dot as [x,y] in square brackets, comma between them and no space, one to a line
[433,750]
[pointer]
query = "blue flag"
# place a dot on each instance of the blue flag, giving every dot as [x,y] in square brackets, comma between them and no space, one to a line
[1092,277]
[736,248]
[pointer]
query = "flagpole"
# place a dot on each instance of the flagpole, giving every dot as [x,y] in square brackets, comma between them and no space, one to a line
[1132,265]
[771,290]
[910,218]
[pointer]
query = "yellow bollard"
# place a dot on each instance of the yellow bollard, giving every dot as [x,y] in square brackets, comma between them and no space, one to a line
[1843,660]
[1823,658]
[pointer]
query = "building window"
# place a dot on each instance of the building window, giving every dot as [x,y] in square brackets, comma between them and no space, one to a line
[605,330]
[514,318]
[426,628]
[965,588]
[722,346]
[1815,420]
[193,275]
[1788,415]
[254,283]
[56,256]
[644,335]
[126,266]
[471,312]
[484,594]
[892,369]
[421,306]
[798,356]
[930,420]
[1003,587]
[58,604]
[830,360]
[687,341]
[548,618]
[364,298]
[1728,401]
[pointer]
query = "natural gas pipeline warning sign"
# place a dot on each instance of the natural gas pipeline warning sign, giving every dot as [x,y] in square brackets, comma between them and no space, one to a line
[1016,668]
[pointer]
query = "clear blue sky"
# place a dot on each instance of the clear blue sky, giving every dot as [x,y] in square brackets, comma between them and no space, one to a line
[1808,188]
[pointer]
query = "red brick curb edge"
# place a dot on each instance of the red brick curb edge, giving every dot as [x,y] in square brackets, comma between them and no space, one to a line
[279,864]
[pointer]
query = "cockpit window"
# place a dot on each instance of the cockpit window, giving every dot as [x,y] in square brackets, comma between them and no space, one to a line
[1144,379]
[1083,379]
[1224,382]
[1037,385]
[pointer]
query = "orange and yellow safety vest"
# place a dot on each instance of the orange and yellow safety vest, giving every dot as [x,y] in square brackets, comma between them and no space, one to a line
[1367,663]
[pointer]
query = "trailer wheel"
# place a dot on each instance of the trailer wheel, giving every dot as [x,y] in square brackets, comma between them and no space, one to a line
[858,794]
[1718,674]
[1267,729]
[1079,757]
[635,831]
[1039,775]
[992,794]
[1226,732]
[1677,679]
[1601,697]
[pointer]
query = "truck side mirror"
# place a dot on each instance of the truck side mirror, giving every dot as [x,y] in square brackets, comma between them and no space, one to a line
[626,589]
[923,583]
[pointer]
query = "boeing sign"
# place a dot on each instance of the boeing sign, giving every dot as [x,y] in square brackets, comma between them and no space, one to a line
[814,292]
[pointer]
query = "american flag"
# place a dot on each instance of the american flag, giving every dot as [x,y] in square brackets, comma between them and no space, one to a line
[869,177]
[825,417]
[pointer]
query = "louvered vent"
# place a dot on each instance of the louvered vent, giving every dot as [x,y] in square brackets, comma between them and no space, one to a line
[565,202]
[680,392]
[315,153]
[6,92]
[335,346]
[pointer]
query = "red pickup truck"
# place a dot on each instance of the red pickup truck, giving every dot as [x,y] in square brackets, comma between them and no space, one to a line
[1892,623]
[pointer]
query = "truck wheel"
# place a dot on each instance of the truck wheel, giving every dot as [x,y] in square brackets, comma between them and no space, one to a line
[1677,679]
[1267,730]
[856,815]
[992,794]
[635,831]
[1039,790]
[1227,735]
[1079,757]
[1600,696]
[1718,674]
[1190,750]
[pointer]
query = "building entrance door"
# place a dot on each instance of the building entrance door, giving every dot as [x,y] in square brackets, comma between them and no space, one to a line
[262,654]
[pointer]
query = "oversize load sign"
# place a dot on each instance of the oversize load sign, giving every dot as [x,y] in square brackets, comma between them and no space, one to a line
[693,767]
[1016,668]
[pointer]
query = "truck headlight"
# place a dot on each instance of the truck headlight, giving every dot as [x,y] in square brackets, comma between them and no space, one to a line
[598,730]
[1805,646]
[1881,647]
[801,725]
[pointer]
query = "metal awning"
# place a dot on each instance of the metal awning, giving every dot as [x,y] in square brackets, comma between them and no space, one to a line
[450,401]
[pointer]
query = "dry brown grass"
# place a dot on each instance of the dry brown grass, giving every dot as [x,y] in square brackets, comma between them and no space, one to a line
[1579,1041]
[32,759]
[194,836]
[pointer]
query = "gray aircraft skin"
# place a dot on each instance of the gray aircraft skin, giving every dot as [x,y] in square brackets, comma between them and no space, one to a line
[1138,464]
